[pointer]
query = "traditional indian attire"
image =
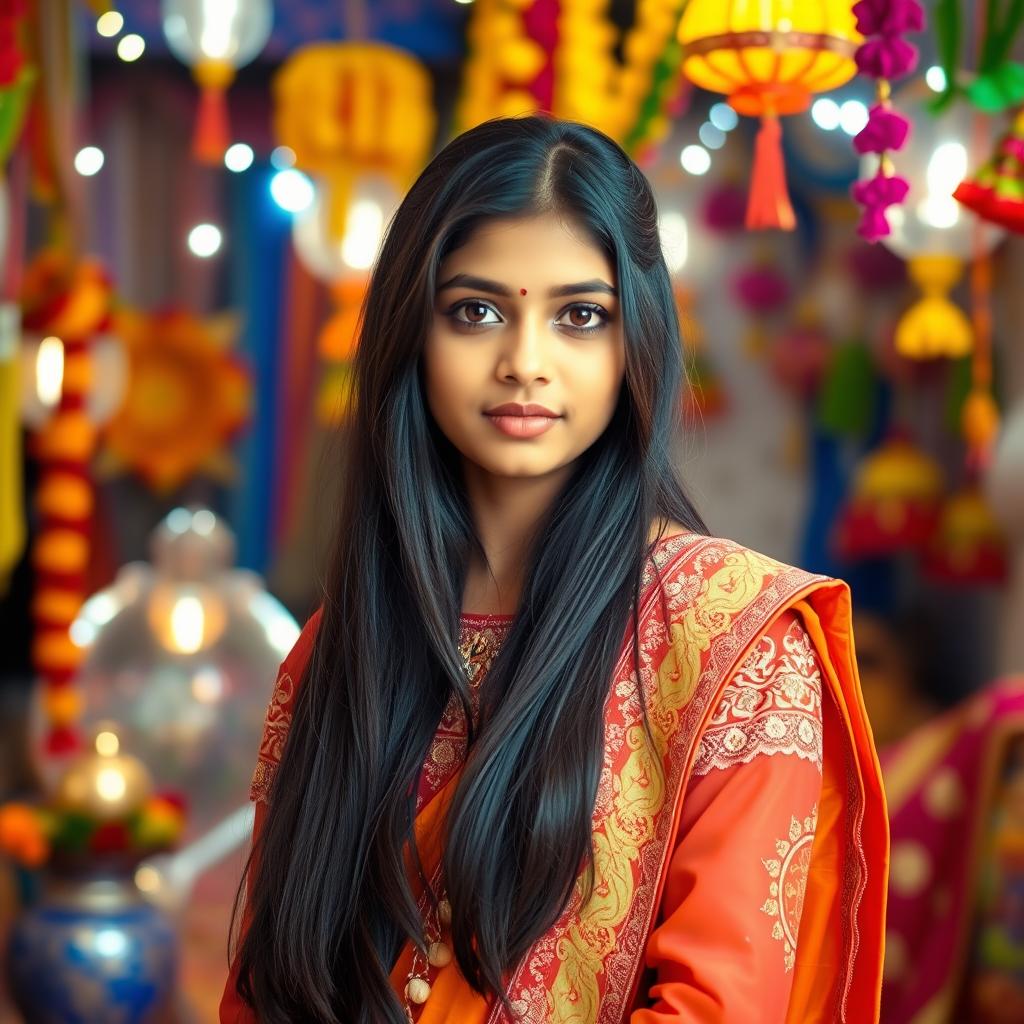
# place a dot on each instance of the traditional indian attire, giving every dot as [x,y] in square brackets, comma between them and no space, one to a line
[746,881]
[955,943]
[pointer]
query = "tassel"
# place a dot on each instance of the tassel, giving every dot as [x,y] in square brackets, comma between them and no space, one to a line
[212,132]
[768,205]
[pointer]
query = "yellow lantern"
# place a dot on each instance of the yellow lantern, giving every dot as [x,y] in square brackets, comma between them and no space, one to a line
[768,58]
[349,109]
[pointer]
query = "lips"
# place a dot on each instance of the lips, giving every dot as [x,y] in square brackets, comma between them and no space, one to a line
[515,409]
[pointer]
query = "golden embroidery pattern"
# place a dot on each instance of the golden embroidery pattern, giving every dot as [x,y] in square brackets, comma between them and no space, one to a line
[772,704]
[788,873]
[714,601]
[275,730]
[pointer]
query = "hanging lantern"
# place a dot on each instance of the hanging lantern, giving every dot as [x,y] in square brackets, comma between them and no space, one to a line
[894,504]
[968,546]
[931,230]
[215,38]
[360,118]
[768,58]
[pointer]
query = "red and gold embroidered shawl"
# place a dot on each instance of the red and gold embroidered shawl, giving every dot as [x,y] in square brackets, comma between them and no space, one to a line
[750,886]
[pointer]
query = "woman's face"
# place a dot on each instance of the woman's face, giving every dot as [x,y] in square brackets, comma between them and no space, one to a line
[526,312]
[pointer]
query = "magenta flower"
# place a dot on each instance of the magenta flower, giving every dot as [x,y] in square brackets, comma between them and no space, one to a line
[873,224]
[885,130]
[886,57]
[882,190]
[888,17]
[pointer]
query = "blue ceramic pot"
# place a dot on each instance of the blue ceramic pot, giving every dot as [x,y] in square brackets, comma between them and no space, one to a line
[93,951]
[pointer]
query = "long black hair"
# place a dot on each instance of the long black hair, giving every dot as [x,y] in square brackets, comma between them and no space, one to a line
[330,902]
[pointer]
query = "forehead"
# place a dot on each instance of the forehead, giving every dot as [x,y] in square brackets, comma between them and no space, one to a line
[525,251]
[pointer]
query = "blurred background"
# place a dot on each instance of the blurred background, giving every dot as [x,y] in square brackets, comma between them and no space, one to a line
[193,193]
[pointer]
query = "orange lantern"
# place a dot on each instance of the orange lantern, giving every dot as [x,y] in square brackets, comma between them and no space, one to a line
[769,58]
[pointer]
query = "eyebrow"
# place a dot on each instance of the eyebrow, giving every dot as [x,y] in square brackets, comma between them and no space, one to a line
[483,284]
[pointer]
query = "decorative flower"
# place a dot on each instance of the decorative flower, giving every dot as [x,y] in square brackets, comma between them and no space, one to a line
[886,57]
[888,17]
[881,190]
[885,130]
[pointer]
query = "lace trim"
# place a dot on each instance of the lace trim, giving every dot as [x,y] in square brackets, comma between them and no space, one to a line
[772,704]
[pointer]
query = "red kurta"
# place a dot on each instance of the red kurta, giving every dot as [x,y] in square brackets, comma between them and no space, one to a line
[760,904]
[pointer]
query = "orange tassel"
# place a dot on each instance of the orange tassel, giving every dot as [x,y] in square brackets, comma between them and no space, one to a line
[212,133]
[768,204]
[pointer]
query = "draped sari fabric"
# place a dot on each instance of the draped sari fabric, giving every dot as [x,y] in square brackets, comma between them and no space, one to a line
[742,879]
[955,943]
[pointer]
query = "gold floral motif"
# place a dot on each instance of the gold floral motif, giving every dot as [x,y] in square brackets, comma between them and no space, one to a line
[788,873]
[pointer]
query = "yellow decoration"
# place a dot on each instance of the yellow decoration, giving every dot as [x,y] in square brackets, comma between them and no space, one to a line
[61,551]
[187,397]
[53,604]
[104,788]
[768,58]
[13,533]
[63,705]
[899,470]
[934,326]
[54,651]
[351,108]
[64,494]
[980,419]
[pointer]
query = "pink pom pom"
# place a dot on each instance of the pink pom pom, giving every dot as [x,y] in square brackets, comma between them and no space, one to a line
[885,130]
[873,224]
[888,17]
[886,57]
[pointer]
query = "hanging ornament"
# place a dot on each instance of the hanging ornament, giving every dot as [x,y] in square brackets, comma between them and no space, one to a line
[996,191]
[215,38]
[968,546]
[188,397]
[768,58]
[931,230]
[884,55]
[894,504]
[65,305]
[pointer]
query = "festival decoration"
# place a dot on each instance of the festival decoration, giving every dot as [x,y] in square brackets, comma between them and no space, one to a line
[66,305]
[894,504]
[560,56]
[768,58]
[884,55]
[92,932]
[17,76]
[848,395]
[215,39]
[179,662]
[189,396]
[762,290]
[799,357]
[931,231]
[996,190]
[967,547]
[348,110]
[13,532]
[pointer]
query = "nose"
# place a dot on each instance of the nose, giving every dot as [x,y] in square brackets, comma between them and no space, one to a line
[525,350]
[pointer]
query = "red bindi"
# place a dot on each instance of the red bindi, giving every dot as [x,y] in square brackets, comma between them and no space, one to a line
[522,291]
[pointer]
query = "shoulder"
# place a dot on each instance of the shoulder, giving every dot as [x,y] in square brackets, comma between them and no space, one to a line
[720,562]
[280,708]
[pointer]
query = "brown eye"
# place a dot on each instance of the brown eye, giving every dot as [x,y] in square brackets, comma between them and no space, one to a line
[471,314]
[585,318]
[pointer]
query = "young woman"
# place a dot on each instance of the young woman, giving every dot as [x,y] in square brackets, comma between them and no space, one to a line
[547,751]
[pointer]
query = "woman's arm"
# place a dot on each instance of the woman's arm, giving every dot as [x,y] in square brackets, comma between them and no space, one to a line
[233,1009]
[724,947]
